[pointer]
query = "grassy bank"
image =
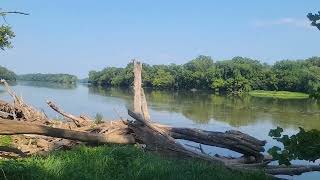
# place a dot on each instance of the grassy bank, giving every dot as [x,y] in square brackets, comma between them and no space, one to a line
[279,94]
[113,162]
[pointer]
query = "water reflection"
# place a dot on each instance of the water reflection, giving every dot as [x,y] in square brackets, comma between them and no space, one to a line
[50,85]
[201,107]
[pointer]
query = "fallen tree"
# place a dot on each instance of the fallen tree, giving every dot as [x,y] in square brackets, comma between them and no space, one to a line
[25,123]
[9,127]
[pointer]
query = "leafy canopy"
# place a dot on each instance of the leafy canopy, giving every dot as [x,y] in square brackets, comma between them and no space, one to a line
[6,34]
[236,76]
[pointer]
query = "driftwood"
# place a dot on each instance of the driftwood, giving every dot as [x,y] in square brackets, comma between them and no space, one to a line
[9,127]
[144,106]
[78,121]
[19,119]
[233,140]
[159,141]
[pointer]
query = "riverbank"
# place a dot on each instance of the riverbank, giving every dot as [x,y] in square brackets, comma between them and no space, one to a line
[113,162]
[279,94]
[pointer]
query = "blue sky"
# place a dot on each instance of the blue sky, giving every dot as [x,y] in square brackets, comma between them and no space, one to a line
[76,36]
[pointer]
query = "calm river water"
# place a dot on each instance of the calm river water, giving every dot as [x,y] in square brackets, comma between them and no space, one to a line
[255,116]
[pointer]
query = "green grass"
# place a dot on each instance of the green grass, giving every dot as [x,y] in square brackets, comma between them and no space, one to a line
[279,94]
[5,140]
[113,162]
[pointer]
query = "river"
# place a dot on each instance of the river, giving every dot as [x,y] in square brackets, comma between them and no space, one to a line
[200,109]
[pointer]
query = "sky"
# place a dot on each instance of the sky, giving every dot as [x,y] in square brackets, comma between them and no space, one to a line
[77,36]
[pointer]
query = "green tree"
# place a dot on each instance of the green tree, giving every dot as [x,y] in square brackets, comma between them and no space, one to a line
[163,80]
[238,75]
[7,74]
[198,71]
[58,78]
[6,33]
[218,85]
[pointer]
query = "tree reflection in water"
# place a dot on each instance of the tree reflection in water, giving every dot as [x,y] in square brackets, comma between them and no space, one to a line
[201,107]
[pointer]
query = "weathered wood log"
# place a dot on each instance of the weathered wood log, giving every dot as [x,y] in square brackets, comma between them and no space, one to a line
[139,103]
[291,170]
[6,115]
[8,110]
[137,68]
[144,106]
[159,141]
[238,142]
[26,112]
[232,140]
[10,127]
[78,121]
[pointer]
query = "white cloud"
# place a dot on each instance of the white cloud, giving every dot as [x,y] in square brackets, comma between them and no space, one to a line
[291,22]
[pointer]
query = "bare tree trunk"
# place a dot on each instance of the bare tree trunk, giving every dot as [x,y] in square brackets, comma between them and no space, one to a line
[145,110]
[10,127]
[159,141]
[137,67]
[233,140]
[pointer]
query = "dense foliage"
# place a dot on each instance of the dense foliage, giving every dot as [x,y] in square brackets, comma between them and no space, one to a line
[234,76]
[7,74]
[6,33]
[5,36]
[59,78]
[305,145]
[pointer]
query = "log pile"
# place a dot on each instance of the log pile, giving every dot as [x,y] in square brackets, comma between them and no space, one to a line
[34,133]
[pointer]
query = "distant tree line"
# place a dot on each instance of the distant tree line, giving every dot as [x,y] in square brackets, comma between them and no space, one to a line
[58,78]
[235,76]
[7,74]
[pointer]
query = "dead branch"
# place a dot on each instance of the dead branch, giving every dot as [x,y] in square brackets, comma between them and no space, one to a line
[78,121]
[21,110]
[3,13]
